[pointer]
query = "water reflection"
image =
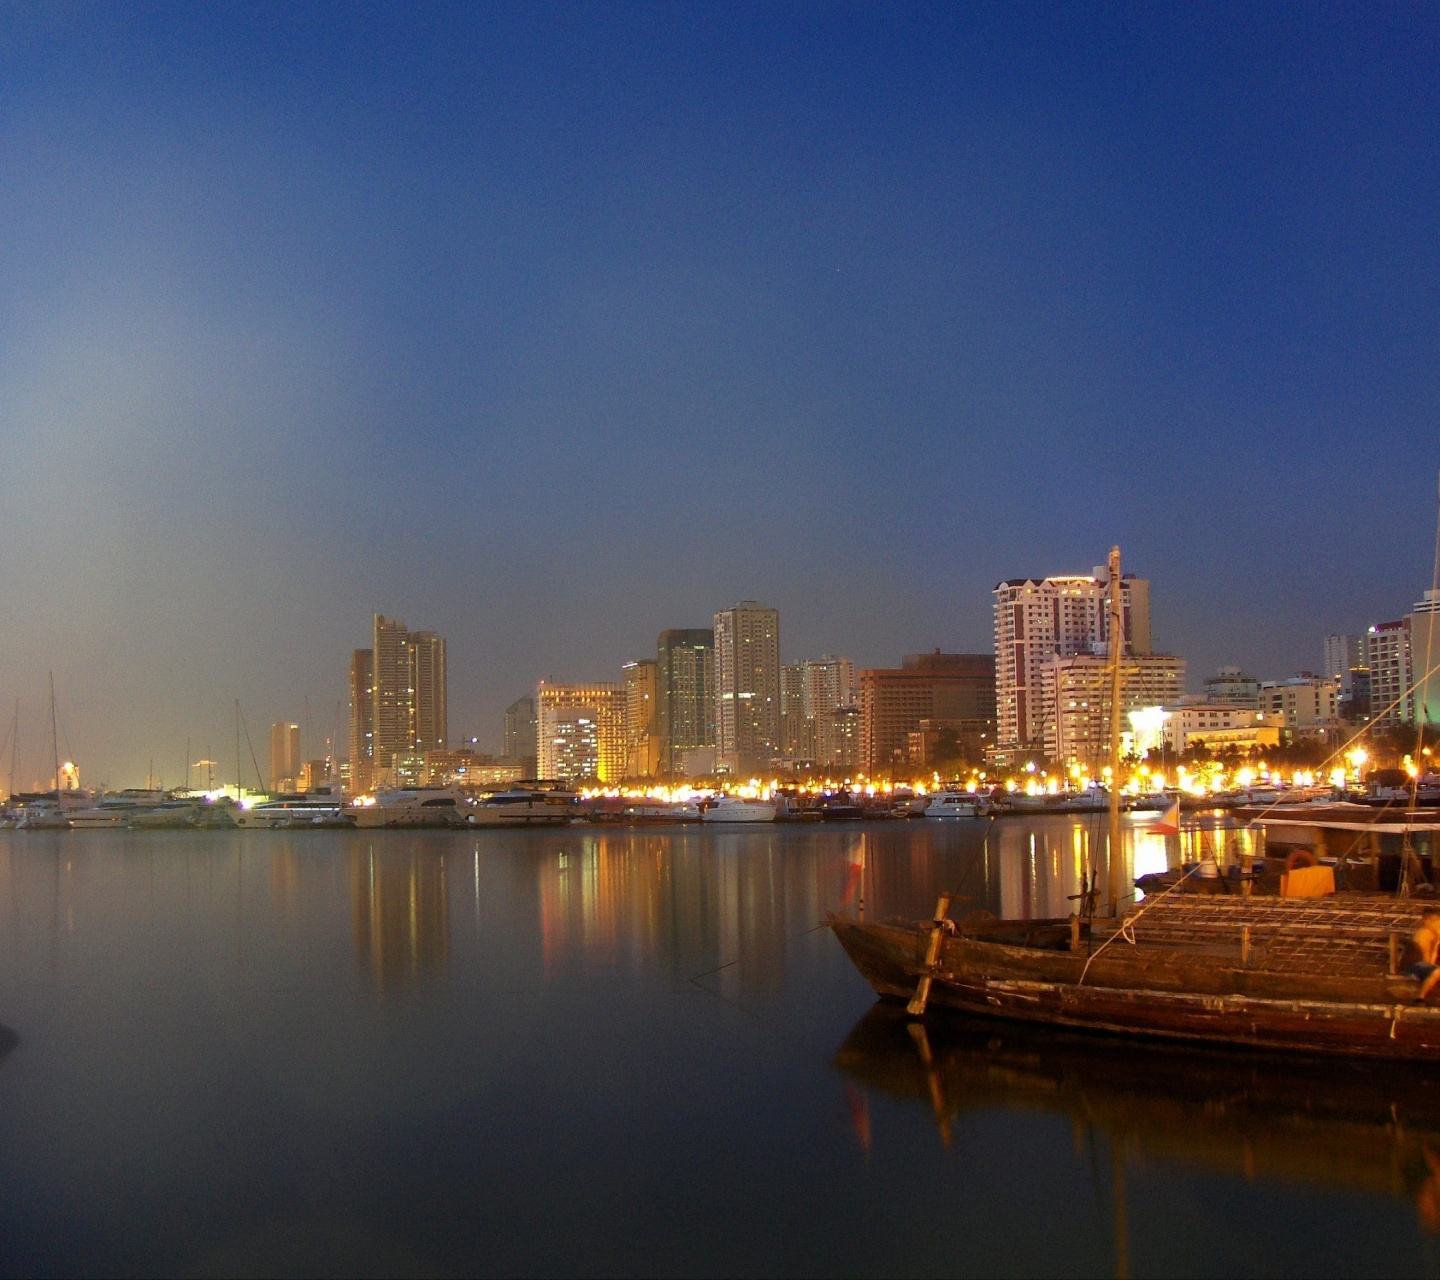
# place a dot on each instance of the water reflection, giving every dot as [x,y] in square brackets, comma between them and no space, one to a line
[401,910]
[1337,1125]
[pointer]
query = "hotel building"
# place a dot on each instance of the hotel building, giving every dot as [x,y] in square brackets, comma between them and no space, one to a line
[581,731]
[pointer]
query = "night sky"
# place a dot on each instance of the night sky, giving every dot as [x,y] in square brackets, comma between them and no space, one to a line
[550,328]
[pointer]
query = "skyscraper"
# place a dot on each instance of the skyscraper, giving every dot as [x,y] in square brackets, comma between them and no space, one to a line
[284,756]
[429,710]
[642,737]
[581,731]
[1040,618]
[362,720]
[394,691]
[810,692]
[408,711]
[1424,622]
[685,695]
[747,688]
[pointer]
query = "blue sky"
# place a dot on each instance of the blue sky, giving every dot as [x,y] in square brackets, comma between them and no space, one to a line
[551,327]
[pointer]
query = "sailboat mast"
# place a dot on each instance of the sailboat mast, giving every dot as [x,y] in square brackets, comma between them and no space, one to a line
[1117,646]
[54,736]
[14,744]
[237,751]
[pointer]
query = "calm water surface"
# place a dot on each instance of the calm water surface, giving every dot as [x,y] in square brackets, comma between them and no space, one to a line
[624,1051]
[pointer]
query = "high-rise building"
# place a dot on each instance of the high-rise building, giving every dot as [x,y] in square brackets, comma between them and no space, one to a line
[362,720]
[429,711]
[284,756]
[581,731]
[795,742]
[810,691]
[519,734]
[1342,654]
[1075,700]
[747,688]
[1040,618]
[642,735]
[685,694]
[408,699]
[394,692]
[1424,622]
[1392,672]
[954,691]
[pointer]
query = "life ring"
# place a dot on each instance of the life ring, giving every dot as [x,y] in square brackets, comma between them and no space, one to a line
[1301,858]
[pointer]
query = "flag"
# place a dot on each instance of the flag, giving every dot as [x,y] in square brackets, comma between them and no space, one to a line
[1169,824]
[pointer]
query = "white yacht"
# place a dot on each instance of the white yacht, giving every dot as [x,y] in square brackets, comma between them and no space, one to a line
[736,809]
[413,807]
[310,809]
[117,809]
[171,814]
[523,808]
[956,804]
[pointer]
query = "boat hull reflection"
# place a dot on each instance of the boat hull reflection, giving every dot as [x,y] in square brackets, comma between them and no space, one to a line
[1338,1125]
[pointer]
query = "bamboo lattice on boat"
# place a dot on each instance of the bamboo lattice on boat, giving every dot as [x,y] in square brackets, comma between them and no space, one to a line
[1341,936]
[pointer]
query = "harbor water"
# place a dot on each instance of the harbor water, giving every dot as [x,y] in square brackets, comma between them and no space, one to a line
[631,1051]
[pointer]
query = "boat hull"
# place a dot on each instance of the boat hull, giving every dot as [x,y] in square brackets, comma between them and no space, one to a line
[1215,1004]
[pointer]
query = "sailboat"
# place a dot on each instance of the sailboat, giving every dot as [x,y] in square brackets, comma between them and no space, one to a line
[1310,974]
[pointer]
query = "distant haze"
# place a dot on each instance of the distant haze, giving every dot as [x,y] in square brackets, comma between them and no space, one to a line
[549,328]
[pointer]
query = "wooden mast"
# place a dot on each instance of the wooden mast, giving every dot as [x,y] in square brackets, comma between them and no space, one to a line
[1116,607]
[54,738]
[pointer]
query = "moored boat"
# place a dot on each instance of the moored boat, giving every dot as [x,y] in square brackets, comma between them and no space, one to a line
[523,807]
[737,809]
[956,804]
[1312,975]
[310,810]
[412,807]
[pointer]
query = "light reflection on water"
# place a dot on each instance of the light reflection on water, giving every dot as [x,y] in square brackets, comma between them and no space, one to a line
[591,1050]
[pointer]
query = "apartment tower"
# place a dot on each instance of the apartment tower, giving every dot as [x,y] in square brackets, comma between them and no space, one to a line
[747,688]
[1037,619]
[685,696]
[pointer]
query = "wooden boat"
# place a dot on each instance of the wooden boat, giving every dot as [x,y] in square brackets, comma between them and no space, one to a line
[1307,975]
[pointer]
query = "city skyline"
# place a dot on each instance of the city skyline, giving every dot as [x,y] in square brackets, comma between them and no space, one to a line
[560,327]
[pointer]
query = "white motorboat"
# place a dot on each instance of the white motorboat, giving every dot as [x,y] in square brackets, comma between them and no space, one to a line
[956,804]
[662,811]
[413,807]
[523,808]
[319,808]
[738,809]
